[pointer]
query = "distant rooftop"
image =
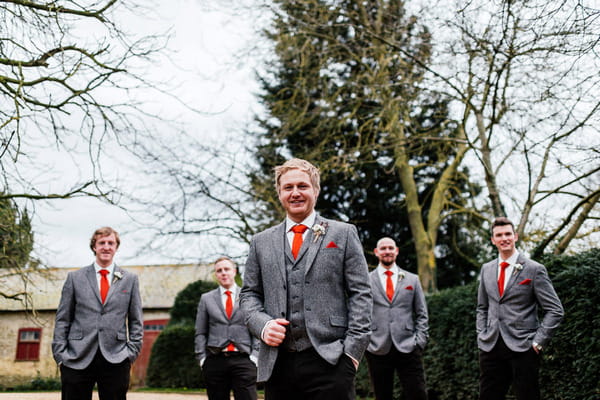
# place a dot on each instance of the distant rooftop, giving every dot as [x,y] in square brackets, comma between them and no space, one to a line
[159,284]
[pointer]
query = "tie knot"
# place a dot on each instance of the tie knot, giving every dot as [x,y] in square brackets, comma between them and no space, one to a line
[228,292]
[504,265]
[103,272]
[299,228]
[389,273]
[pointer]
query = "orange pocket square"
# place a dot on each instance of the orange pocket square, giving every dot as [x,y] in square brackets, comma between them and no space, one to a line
[525,282]
[331,245]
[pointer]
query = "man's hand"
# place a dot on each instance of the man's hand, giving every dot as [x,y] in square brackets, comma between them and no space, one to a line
[274,331]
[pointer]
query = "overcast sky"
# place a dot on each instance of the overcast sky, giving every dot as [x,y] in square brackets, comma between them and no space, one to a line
[215,73]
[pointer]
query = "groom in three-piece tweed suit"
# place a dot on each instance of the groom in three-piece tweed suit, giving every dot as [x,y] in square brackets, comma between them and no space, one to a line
[99,325]
[509,334]
[306,294]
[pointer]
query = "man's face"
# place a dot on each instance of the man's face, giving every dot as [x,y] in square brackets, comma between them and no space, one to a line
[225,273]
[297,194]
[105,249]
[386,251]
[504,238]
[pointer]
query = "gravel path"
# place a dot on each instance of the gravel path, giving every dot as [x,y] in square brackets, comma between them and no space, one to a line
[130,396]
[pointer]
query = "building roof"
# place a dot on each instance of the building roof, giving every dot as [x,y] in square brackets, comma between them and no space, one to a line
[159,284]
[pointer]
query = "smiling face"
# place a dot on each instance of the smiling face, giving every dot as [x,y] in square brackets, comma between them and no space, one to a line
[386,251]
[225,273]
[504,238]
[297,194]
[105,249]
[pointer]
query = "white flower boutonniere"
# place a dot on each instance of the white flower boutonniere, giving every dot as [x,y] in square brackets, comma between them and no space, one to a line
[118,275]
[318,230]
[401,275]
[518,267]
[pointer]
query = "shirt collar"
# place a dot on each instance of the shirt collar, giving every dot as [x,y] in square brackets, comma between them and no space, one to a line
[512,260]
[233,289]
[308,221]
[394,268]
[110,268]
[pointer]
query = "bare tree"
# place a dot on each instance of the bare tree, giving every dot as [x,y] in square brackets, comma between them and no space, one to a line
[69,74]
[523,76]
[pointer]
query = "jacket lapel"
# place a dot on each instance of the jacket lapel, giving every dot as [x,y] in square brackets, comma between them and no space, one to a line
[491,277]
[515,273]
[313,246]
[281,249]
[115,283]
[90,273]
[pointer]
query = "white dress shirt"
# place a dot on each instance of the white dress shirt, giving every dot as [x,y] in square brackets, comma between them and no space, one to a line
[111,273]
[512,260]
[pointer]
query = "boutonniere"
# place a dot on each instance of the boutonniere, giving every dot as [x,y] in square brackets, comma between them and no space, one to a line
[319,230]
[518,267]
[118,275]
[401,275]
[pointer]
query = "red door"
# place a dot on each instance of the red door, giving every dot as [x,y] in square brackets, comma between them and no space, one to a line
[152,329]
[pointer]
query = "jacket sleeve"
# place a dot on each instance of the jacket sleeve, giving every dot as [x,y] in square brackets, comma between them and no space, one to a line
[359,298]
[64,318]
[482,304]
[252,294]
[421,316]
[135,320]
[550,303]
[201,334]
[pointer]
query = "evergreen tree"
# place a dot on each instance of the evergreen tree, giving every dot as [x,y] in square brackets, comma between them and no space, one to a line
[335,95]
[16,238]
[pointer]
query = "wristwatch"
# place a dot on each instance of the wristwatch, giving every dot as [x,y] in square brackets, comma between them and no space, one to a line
[537,346]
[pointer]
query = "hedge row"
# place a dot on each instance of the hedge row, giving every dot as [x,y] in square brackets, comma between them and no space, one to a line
[570,367]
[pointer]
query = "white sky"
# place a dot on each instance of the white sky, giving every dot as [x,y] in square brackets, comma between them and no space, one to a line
[214,73]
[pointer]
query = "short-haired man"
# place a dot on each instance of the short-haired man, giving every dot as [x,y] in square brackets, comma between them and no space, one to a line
[509,335]
[400,325]
[306,294]
[98,330]
[223,344]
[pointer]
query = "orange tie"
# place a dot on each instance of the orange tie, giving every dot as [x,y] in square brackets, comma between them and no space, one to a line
[389,285]
[229,311]
[297,242]
[103,284]
[503,266]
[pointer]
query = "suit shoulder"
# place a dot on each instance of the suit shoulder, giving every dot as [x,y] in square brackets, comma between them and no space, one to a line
[529,262]
[410,275]
[266,233]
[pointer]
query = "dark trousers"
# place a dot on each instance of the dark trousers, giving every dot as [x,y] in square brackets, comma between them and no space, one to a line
[305,375]
[408,366]
[112,380]
[502,366]
[224,372]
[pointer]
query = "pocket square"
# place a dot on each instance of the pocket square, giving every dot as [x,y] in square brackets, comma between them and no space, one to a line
[331,245]
[525,282]
[409,287]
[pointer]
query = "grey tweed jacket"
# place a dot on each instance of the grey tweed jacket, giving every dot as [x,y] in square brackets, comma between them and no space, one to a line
[337,293]
[515,314]
[84,324]
[214,330]
[403,322]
